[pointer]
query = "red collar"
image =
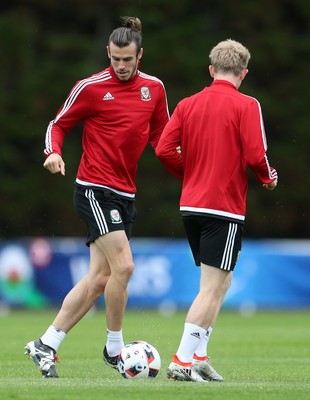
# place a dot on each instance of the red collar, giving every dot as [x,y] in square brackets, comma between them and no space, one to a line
[223,82]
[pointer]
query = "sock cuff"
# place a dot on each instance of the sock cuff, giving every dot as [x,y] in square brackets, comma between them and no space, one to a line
[114,334]
[110,331]
[209,331]
[53,337]
[195,328]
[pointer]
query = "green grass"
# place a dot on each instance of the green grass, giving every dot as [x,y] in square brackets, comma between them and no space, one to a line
[265,356]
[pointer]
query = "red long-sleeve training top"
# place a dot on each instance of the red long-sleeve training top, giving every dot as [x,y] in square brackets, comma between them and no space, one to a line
[220,131]
[119,119]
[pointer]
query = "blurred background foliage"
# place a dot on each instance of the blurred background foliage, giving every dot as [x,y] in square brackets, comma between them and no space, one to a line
[47,45]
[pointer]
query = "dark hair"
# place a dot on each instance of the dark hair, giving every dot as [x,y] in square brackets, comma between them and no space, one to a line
[130,32]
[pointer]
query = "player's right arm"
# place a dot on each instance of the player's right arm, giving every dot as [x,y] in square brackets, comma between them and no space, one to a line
[74,109]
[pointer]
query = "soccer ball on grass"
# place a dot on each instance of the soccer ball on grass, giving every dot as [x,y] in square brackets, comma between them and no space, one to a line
[139,359]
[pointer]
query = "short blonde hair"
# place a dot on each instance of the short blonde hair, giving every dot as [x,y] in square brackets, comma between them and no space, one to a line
[229,56]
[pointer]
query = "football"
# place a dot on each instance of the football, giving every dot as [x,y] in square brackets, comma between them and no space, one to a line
[139,359]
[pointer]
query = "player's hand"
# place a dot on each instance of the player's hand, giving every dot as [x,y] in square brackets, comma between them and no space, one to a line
[271,185]
[54,163]
[179,150]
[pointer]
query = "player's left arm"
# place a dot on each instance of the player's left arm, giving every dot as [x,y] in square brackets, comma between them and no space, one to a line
[254,145]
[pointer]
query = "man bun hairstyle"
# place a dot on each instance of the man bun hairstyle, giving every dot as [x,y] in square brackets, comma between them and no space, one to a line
[229,56]
[133,23]
[131,31]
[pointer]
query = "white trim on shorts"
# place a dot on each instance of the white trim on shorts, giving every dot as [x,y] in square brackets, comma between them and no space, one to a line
[229,246]
[97,211]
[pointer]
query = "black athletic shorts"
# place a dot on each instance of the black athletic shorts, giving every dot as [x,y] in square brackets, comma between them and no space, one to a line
[214,241]
[104,211]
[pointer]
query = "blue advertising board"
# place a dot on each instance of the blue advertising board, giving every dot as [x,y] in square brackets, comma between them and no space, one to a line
[270,274]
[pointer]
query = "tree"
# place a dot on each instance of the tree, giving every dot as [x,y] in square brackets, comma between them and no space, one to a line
[46,46]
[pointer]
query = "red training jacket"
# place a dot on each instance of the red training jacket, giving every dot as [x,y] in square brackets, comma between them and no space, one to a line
[119,119]
[220,131]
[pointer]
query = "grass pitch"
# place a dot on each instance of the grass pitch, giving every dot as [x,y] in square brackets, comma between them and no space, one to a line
[263,356]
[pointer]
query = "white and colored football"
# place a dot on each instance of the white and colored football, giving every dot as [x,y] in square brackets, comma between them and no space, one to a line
[139,359]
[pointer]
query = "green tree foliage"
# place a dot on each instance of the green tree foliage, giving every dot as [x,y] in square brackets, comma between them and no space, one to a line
[46,46]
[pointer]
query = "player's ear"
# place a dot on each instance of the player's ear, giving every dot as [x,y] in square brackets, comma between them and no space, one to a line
[244,73]
[211,71]
[108,51]
[140,54]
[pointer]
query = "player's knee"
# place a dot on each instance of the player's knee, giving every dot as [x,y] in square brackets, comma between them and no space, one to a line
[124,273]
[128,269]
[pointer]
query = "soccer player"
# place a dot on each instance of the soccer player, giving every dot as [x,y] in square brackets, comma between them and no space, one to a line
[122,109]
[219,132]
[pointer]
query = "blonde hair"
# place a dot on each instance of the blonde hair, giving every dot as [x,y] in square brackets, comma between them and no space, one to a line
[229,56]
[131,31]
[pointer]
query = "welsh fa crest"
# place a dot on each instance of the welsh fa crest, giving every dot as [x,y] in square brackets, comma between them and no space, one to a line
[145,93]
[115,217]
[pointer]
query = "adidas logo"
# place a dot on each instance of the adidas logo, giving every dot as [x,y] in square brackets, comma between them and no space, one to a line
[196,334]
[108,96]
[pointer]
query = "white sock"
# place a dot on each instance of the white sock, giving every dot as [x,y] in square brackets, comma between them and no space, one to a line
[115,342]
[191,338]
[53,337]
[202,349]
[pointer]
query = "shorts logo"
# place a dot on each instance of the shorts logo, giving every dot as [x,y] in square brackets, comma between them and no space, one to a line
[145,93]
[115,217]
